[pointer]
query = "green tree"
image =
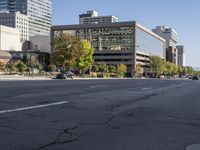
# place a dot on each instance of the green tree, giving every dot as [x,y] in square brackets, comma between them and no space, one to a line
[52,68]
[112,69]
[95,68]
[180,71]
[121,70]
[138,70]
[11,67]
[175,69]
[157,65]
[67,50]
[86,60]
[190,70]
[21,67]
[168,68]
[34,65]
[103,67]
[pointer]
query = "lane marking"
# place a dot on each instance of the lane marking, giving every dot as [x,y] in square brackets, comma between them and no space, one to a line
[33,107]
[97,86]
[144,89]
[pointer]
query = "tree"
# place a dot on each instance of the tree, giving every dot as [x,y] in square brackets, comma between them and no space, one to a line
[138,70]
[11,67]
[85,61]
[95,68]
[189,70]
[168,68]
[112,69]
[103,68]
[67,50]
[52,68]
[2,66]
[121,70]
[33,64]
[157,65]
[21,67]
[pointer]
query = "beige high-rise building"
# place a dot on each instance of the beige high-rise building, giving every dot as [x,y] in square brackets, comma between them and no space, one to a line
[18,21]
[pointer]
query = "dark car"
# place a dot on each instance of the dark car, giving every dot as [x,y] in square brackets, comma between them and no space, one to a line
[195,78]
[60,76]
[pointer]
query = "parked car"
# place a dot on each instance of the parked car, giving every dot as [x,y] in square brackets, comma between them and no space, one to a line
[190,77]
[161,77]
[60,76]
[195,78]
[70,74]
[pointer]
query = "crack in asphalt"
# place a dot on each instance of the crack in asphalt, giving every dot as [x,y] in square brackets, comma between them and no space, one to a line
[58,141]
[109,123]
[68,131]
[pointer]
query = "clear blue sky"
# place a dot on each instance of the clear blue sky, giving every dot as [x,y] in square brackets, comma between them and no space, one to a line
[182,15]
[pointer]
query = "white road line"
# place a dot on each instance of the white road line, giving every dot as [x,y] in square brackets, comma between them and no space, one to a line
[97,86]
[32,107]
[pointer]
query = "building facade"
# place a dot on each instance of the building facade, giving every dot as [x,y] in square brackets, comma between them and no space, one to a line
[171,37]
[92,17]
[181,55]
[18,21]
[169,34]
[39,13]
[126,43]
[41,43]
[172,55]
[9,39]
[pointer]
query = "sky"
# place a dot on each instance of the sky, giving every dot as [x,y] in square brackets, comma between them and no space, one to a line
[182,15]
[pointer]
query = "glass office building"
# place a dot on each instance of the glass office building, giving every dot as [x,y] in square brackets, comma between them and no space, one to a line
[39,13]
[4,5]
[117,43]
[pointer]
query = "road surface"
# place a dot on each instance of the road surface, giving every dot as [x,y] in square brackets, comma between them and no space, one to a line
[99,114]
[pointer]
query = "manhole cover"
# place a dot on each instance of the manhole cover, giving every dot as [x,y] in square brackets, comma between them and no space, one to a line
[193,147]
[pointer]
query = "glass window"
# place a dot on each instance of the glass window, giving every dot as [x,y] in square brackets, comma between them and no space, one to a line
[115,38]
[149,44]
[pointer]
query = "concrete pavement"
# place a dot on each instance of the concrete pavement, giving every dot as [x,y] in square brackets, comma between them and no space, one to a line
[99,114]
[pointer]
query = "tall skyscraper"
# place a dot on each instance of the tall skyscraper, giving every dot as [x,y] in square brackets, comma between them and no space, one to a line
[171,37]
[169,34]
[181,55]
[39,13]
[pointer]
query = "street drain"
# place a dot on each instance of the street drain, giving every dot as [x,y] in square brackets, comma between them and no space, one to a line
[193,147]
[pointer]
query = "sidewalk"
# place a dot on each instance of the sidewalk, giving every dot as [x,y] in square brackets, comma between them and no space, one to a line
[19,77]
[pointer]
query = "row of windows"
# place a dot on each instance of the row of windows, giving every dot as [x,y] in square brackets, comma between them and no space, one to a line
[149,44]
[7,17]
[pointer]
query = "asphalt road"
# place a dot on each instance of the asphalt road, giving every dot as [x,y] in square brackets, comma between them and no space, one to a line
[99,114]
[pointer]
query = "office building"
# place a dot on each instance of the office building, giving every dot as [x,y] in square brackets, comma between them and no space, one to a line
[18,21]
[181,55]
[126,43]
[92,17]
[171,37]
[169,34]
[172,55]
[10,39]
[3,5]
[40,43]
[39,13]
